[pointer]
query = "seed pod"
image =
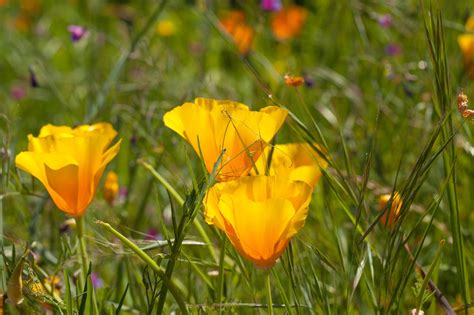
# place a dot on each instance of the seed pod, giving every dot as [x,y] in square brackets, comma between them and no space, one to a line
[15,283]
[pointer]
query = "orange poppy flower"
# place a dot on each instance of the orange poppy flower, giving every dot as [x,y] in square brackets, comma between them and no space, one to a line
[111,187]
[288,22]
[69,162]
[466,43]
[297,161]
[242,34]
[212,126]
[259,214]
[390,215]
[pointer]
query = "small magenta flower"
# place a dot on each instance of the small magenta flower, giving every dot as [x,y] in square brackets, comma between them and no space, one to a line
[17,93]
[385,20]
[153,235]
[271,5]
[77,32]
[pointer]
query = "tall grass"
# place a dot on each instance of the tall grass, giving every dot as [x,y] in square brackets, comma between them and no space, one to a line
[384,124]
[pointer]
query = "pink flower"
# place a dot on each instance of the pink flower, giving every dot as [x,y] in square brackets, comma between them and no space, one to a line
[17,92]
[153,235]
[271,5]
[77,32]
[385,20]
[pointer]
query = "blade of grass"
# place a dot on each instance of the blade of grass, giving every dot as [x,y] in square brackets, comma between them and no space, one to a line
[173,285]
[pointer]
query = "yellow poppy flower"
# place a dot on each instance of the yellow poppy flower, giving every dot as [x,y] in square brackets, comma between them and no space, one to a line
[69,162]
[298,161]
[394,209]
[212,126]
[259,214]
[288,22]
[166,28]
[111,187]
[466,43]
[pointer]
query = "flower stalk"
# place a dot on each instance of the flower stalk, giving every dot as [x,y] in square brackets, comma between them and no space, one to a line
[82,246]
[269,293]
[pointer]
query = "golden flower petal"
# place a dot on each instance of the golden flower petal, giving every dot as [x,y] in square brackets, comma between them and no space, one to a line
[211,126]
[298,161]
[390,216]
[69,162]
[259,214]
[58,173]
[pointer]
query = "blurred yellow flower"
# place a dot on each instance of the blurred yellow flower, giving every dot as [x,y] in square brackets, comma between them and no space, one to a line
[466,43]
[234,22]
[298,161]
[69,162]
[288,22]
[211,126]
[259,214]
[111,187]
[52,284]
[390,215]
[166,28]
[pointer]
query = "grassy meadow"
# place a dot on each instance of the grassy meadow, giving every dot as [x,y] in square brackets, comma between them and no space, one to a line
[131,214]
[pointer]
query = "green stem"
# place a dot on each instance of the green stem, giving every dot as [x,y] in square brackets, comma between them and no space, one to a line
[82,246]
[173,286]
[269,293]
[180,201]
[85,259]
[220,287]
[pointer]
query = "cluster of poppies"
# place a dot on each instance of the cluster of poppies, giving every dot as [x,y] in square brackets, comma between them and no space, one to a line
[286,23]
[263,192]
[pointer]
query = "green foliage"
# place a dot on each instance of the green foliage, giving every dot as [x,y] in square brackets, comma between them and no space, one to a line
[385,121]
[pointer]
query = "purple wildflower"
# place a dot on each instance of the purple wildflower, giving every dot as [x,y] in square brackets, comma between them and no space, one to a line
[393,50]
[385,20]
[33,80]
[77,32]
[308,81]
[123,192]
[97,282]
[271,5]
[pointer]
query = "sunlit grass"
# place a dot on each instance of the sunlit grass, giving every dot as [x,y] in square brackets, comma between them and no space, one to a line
[373,95]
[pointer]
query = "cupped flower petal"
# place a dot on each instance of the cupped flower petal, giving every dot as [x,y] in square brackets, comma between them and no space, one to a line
[211,126]
[69,162]
[298,161]
[259,214]
[390,216]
